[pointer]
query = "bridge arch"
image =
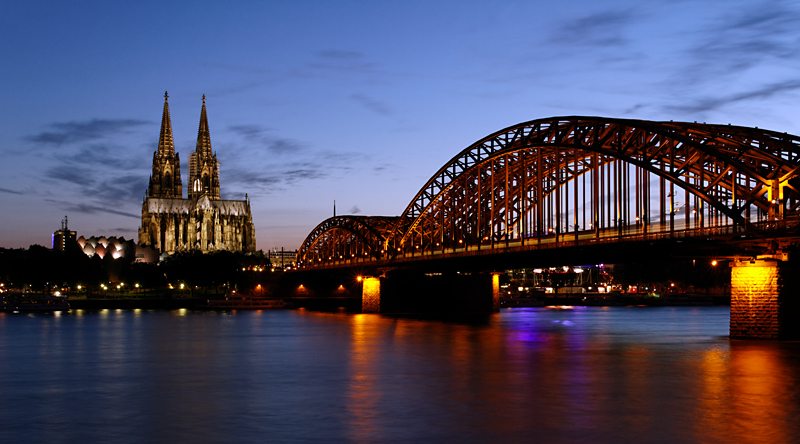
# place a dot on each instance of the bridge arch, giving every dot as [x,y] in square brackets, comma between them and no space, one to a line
[346,239]
[517,181]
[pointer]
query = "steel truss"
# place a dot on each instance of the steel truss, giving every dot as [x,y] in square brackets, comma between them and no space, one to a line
[347,238]
[563,177]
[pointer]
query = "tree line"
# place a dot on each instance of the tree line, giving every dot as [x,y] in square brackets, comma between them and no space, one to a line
[42,269]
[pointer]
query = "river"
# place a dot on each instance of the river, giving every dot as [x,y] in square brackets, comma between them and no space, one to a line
[550,375]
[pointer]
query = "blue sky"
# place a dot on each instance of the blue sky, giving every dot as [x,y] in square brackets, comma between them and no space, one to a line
[355,101]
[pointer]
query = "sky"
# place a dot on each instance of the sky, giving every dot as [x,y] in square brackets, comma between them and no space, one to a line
[359,102]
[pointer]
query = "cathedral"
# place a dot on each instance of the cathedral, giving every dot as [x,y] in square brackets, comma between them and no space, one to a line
[203,221]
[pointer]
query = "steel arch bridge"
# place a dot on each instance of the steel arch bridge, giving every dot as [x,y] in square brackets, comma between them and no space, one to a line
[547,182]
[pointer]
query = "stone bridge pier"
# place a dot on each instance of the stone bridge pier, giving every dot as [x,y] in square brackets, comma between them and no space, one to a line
[414,292]
[765,299]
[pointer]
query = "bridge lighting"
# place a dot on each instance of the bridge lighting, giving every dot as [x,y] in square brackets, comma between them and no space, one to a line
[714,263]
[359,278]
[181,286]
[461,241]
[137,285]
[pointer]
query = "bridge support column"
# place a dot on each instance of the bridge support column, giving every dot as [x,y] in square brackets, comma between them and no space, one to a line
[765,303]
[371,295]
[496,291]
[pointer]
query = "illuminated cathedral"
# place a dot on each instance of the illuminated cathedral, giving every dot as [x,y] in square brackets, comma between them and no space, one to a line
[202,221]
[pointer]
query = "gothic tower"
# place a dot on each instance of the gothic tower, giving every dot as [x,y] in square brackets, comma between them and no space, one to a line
[203,165]
[165,181]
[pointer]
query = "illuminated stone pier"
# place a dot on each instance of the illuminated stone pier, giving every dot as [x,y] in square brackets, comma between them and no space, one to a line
[371,295]
[414,292]
[765,299]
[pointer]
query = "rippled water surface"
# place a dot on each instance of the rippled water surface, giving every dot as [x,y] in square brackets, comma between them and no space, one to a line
[613,374]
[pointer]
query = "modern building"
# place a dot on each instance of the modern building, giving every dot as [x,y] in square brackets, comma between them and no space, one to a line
[202,221]
[63,236]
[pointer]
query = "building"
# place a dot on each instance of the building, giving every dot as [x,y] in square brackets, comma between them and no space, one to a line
[202,221]
[117,248]
[63,236]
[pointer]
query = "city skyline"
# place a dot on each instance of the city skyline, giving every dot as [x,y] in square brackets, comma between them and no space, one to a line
[308,103]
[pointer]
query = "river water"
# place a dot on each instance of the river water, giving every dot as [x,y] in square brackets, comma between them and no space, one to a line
[583,375]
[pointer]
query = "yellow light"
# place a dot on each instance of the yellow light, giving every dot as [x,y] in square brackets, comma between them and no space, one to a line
[714,263]
[79,287]
[137,285]
[359,278]
[181,286]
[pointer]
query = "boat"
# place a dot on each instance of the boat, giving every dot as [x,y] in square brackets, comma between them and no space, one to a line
[32,302]
[242,302]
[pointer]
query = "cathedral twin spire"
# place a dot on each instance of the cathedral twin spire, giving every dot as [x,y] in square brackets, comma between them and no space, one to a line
[165,181]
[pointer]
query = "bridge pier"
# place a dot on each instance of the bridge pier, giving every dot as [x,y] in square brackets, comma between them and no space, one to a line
[414,292]
[371,295]
[765,303]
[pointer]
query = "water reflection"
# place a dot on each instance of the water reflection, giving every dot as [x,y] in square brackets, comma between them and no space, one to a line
[524,375]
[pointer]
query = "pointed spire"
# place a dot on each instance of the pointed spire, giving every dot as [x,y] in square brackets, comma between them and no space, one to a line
[165,143]
[203,137]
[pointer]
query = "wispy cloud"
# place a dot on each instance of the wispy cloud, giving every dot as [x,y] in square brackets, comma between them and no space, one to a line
[603,29]
[372,104]
[355,210]
[90,209]
[261,136]
[728,53]
[713,103]
[70,132]
[5,190]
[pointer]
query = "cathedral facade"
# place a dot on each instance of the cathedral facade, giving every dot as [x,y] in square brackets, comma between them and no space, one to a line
[202,221]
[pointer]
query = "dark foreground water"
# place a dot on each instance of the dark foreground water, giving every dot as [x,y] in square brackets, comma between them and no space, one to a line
[617,375]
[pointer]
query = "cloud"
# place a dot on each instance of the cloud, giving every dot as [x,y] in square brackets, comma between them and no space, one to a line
[5,190]
[258,135]
[355,210]
[372,104]
[72,174]
[90,209]
[70,132]
[712,103]
[599,29]
[115,189]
